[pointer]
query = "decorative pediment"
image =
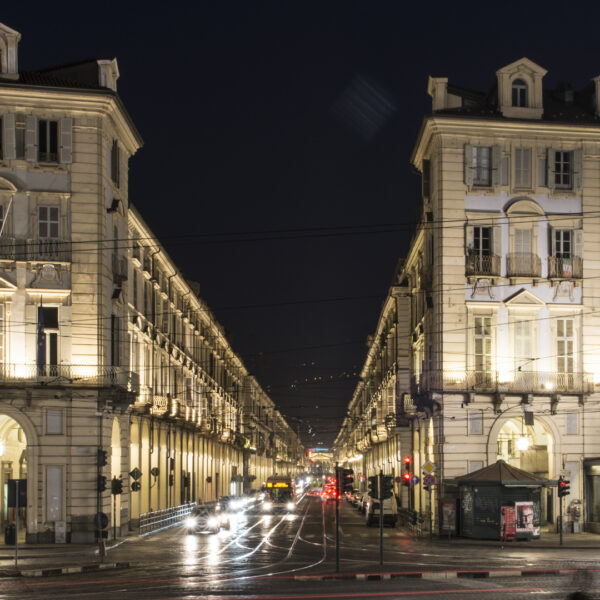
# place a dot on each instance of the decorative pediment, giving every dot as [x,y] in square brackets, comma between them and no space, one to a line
[524,298]
[7,186]
[9,44]
[528,75]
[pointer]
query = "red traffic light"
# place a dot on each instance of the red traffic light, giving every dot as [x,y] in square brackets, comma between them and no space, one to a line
[407,460]
[407,477]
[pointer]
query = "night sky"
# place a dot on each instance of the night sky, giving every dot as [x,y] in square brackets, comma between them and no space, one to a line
[277,137]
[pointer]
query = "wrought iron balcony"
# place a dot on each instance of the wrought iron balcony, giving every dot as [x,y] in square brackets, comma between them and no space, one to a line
[565,268]
[76,375]
[519,382]
[524,265]
[482,264]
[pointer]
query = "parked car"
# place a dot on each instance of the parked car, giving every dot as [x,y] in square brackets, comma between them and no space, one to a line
[390,511]
[361,498]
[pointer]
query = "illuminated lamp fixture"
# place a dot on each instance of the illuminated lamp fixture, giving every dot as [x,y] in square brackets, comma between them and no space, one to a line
[523,443]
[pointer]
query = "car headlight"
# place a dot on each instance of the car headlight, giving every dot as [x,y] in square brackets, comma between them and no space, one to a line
[213,522]
[190,522]
[290,506]
[268,505]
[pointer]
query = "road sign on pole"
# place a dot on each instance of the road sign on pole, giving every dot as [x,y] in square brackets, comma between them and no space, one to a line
[429,467]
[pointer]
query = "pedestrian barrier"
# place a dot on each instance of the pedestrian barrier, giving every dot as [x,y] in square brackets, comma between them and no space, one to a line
[159,519]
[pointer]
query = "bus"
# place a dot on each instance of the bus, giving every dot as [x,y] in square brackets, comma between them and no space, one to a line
[280,494]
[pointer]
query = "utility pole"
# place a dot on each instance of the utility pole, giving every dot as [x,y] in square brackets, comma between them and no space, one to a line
[337,518]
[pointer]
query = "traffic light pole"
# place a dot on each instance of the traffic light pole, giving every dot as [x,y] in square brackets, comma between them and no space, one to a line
[380,486]
[560,520]
[337,519]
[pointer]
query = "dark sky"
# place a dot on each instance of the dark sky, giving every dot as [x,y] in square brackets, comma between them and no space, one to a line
[277,141]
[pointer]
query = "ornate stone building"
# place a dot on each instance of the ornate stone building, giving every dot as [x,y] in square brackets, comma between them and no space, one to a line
[504,283]
[104,346]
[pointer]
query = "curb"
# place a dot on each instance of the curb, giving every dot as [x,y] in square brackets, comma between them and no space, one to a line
[436,574]
[71,570]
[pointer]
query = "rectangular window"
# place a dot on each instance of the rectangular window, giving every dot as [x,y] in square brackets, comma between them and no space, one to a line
[475,422]
[47,341]
[482,237]
[562,243]
[571,424]
[115,163]
[563,169]
[523,241]
[135,289]
[523,353]
[483,349]
[565,357]
[47,141]
[523,167]
[481,165]
[48,222]
[54,422]
[115,337]
[54,494]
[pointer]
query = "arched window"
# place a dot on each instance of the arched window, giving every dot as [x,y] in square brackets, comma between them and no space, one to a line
[519,93]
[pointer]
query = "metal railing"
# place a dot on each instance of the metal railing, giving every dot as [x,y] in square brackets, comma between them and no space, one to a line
[28,249]
[482,264]
[65,374]
[524,265]
[167,517]
[523,382]
[565,268]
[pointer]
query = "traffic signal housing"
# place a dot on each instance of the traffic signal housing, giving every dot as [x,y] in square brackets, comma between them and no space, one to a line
[116,486]
[387,487]
[564,487]
[101,484]
[102,458]
[406,477]
[347,479]
[374,486]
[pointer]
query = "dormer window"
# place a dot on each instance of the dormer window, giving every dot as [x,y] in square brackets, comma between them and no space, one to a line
[519,93]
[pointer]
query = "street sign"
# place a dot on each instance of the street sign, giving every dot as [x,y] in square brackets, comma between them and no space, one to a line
[429,467]
[135,474]
[429,480]
[398,479]
[414,480]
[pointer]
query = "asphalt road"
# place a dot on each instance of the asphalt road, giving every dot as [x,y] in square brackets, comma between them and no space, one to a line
[282,556]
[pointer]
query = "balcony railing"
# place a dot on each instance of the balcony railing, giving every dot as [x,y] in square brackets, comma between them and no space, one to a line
[77,375]
[565,268]
[524,265]
[481,264]
[520,382]
[45,249]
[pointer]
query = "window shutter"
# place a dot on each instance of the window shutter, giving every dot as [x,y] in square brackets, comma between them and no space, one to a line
[504,180]
[468,165]
[469,237]
[552,233]
[578,242]
[542,175]
[496,159]
[523,167]
[9,148]
[31,138]
[496,241]
[66,140]
[577,169]
[550,181]
[426,178]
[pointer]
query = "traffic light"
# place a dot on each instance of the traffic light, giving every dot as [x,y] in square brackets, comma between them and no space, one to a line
[387,487]
[101,483]
[102,458]
[374,486]
[116,486]
[347,479]
[564,487]
[406,477]
[407,462]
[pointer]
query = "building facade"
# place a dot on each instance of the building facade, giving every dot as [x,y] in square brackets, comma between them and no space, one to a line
[111,364]
[503,283]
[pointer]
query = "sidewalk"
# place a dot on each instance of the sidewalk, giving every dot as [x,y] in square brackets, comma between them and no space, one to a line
[37,560]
